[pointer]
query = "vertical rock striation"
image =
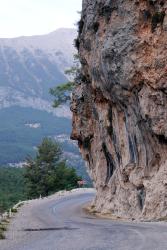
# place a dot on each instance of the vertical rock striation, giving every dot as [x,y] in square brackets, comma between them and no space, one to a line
[120,106]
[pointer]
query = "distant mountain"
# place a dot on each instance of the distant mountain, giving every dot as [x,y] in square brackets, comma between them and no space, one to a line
[29,66]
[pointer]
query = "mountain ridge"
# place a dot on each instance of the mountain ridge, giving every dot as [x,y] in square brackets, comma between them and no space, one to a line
[31,65]
[47,42]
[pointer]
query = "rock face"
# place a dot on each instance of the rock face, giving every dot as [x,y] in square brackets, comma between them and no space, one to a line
[120,106]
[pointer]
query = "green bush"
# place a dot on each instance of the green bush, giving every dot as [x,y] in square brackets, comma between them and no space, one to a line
[157,18]
[14,210]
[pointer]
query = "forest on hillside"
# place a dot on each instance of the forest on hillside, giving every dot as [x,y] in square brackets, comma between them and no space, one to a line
[12,188]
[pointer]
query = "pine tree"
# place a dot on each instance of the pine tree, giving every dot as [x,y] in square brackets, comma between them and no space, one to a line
[45,173]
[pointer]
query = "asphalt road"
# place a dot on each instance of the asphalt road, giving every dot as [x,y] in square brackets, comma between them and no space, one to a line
[64,226]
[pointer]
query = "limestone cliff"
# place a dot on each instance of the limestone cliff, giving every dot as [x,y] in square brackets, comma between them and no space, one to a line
[120,106]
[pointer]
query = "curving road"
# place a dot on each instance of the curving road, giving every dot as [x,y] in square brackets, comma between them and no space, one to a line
[62,225]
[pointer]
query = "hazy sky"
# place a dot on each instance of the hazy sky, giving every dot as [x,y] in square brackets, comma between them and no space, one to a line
[33,17]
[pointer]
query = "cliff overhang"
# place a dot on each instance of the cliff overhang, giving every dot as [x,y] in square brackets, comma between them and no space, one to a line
[120,108]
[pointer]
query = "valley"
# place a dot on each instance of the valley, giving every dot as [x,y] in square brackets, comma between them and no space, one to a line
[29,67]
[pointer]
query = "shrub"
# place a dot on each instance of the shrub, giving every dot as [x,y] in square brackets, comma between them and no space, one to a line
[77,43]
[157,18]
[2,236]
[80,26]
[14,210]
[3,227]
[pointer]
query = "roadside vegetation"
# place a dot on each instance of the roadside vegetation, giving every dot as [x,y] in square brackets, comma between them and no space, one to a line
[3,228]
[12,188]
[42,175]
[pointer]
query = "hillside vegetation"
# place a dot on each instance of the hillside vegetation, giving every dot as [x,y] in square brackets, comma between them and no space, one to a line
[42,175]
[18,140]
[12,188]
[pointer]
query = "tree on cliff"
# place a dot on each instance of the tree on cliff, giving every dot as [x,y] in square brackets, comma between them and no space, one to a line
[46,173]
[62,92]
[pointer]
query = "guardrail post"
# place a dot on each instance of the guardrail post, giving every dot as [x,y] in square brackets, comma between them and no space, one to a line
[10,213]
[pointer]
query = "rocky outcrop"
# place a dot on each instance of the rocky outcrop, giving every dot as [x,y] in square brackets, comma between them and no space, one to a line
[120,106]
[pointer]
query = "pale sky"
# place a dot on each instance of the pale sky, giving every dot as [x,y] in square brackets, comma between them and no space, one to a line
[35,17]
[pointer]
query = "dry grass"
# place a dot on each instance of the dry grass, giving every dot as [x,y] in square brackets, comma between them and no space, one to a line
[3,228]
[90,210]
[163,219]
